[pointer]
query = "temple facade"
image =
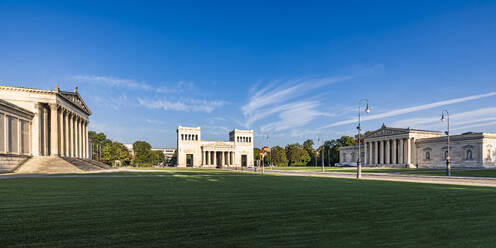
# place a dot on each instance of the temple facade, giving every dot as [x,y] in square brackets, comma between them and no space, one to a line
[37,122]
[405,147]
[192,151]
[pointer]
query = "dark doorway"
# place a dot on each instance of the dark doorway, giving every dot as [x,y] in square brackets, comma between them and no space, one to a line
[244,160]
[189,160]
[218,159]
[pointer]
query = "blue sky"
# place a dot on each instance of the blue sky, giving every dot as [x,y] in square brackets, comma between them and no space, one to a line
[291,70]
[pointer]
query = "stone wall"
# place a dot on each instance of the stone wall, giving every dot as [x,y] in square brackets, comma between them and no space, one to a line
[9,162]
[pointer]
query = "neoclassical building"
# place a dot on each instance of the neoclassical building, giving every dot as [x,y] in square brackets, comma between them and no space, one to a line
[192,151]
[406,147]
[37,122]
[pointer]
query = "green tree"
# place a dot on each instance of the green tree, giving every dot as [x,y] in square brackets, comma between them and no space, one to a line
[99,142]
[256,154]
[308,145]
[296,155]
[279,156]
[142,153]
[157,157]
[173,160]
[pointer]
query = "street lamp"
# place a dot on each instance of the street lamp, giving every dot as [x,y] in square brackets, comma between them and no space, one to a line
[448,157]
[367,110]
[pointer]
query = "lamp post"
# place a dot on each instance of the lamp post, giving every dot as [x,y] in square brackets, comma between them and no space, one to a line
[444,116]
[367,110]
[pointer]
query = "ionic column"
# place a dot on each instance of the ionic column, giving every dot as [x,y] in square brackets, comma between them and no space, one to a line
[215,158]
[203,158]
[54,151]
[80,136]
[408,151]
[371,157]
[67,134]
[376,152]
[364,152]
[86,152]
[71,135]
[38,143]
[401,151]
[414,152]
[230,158]
[381,152]
[61,132]
[221,158]
[388,154]
[394,152]
[45,131]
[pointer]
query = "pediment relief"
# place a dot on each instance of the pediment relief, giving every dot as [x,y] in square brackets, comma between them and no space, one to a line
[385,132]
[75,99]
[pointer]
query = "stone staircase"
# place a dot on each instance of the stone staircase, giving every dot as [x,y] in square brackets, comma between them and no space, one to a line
[48,165]
[89,164]
[60,165]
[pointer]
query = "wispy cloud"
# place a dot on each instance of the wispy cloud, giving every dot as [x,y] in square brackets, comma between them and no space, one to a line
[187,105]
[154,122]
[281,99]
[412,109]
[458,121]
[111,81]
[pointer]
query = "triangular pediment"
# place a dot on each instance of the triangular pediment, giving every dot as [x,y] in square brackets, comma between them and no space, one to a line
[386,131]
[76,99]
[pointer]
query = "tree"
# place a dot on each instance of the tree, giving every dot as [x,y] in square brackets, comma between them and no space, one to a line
[116,151]
[99,141]
[256,154]
[308,145]
[173,160]
[157,157]
[142,153]
[296,155]
[279,156]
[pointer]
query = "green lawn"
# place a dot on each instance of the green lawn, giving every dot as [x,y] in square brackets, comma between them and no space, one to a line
[242,211]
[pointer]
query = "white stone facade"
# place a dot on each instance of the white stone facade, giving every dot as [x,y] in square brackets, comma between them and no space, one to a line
[59,126]
[192,151]
[399,147]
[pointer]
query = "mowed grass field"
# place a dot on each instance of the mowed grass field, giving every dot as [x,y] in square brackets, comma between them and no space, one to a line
[242,211]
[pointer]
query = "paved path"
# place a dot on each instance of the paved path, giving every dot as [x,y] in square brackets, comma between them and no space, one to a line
[470,181]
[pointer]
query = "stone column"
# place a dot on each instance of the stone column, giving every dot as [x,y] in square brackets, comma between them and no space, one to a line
[206,158]
[80,136]
[203,158]
[230,158]
[364,162]
[394,152]
[408,151]
[400,153]
[45,131]
[371,161]
[71,135]
[381,152]
[61,132]
[67,134]
[221,158]
[388,153]
[414,152]
[86,139]
[38,123]
[215,158]
[376,152]
[54,151]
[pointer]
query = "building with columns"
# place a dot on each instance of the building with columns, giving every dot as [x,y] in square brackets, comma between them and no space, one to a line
[192,151]
[37,122]
[406,147]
